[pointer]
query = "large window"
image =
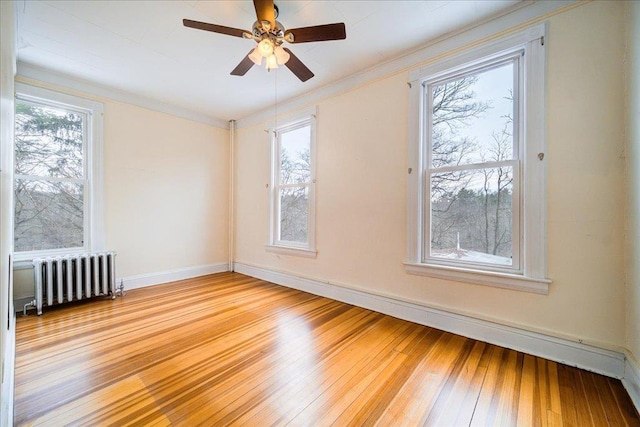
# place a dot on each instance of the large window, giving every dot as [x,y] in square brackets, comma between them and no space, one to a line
[472,147]
[57,173]
[293,187]
[478,191]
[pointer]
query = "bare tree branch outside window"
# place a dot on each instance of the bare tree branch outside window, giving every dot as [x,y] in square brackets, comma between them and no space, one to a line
[471,205]
[295,177]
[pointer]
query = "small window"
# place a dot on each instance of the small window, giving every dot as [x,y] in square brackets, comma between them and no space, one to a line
[55,182]
[293,187]
[476,201]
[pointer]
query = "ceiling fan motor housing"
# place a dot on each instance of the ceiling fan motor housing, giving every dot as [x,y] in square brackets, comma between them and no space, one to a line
[262,30]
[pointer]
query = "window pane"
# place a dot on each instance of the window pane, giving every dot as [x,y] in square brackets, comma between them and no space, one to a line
[48,215]
[471,215]
[294,214]
[472,118]
[295,150]
[48,141]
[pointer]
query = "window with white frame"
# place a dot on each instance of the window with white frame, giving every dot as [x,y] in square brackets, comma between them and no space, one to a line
[477,194]
[293,187]
[57,180]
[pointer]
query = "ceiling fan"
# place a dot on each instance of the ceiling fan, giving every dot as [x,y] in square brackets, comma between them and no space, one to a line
[270,35]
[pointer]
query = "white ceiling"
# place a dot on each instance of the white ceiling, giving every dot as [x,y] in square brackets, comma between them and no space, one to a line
[142,48]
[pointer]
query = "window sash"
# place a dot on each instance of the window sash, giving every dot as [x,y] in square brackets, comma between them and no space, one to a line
[513,57]
[280,185]
[516,236]
[43,204]
[278,136]
[279,240]
[85,114]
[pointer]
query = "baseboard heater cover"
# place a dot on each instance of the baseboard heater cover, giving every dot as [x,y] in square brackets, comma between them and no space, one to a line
[69,278]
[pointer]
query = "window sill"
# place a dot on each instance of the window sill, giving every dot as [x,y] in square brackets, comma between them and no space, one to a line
[488,278]
[29,256]
[288,250]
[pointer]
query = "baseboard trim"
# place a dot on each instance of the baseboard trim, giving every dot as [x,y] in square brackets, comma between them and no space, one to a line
[631,380]
[6,405]
[144,280]
[602,361]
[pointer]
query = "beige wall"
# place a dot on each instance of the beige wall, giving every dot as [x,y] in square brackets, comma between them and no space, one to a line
[361,192]
[633,179]
[166,190]
[166,183]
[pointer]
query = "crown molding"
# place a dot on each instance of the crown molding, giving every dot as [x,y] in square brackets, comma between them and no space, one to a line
[34,72]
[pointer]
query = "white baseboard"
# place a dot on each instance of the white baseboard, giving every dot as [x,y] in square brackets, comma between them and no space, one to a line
[6,392]
[144,280]
[631,380]
[602,361]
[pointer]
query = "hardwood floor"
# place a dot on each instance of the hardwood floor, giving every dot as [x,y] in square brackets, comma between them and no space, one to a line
[230,349]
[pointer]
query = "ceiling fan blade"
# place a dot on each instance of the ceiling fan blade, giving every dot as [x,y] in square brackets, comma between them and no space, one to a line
[265,11]
[297,67]
[244,66]
[317,33]
[214,28]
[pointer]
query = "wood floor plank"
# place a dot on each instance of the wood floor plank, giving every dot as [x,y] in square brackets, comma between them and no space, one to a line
[527,389]
[467,407]
[483,410]
[623,403]
[597,411]
[614,418]
[445,410]
[573,383]
[228,349]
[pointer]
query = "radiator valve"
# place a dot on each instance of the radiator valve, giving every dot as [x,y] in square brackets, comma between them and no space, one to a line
[31,303]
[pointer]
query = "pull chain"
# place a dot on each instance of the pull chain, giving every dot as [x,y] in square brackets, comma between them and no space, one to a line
[275,126]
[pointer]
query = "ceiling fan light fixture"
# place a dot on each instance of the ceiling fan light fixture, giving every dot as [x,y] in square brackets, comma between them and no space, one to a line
[256,56]
[272,62]
[265,47]
[282,56]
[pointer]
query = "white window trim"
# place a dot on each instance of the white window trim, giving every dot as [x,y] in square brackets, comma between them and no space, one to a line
[532,276]
[275,245]
[94,194]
